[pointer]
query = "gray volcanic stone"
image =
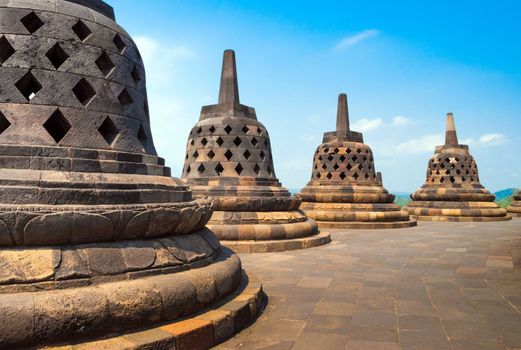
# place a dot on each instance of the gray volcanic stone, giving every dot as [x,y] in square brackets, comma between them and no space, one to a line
[96,237]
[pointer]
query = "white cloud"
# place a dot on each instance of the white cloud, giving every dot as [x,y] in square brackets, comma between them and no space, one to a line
[422,145]
[355,39]
[494,138]
[365,124]
[400,120]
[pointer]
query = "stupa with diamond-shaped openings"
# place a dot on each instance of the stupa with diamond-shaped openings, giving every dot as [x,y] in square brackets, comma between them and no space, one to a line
[452,190]
[228,159]
[96,238]
[345,190]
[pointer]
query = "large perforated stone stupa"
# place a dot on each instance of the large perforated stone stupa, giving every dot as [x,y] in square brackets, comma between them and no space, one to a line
[452,190]
[345,190]
[515,207]
[228,159]
[95,236]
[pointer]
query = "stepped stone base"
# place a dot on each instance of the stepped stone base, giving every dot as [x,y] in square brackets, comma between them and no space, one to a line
[208,328]
[366,225]
[281,245]
[462,218]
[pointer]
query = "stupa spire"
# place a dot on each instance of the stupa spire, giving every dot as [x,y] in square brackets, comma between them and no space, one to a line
[451,137]
[229,90]
[342,116]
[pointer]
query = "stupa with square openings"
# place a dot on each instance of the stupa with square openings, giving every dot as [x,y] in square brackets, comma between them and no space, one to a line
[228,159]
[96,238]
[452,190]
[345,190]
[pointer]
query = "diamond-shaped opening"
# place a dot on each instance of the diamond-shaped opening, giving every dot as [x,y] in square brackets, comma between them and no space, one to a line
[105,64]
[329,176]
[199,130]
[6,49]
[452,179]
[366,176]
[364,158]
[463,178]
[204,141]
[136,75]
[342,158]
[81,30]
[247,154]
[142,135]
[356,176]
[442,180]
[360,167]
[124,97]
[348,150]
[4,123]
[219,169]
[320,158]
[262,155]
[195,155]
[256,169]
[326,150]
[245,129]
[358,151]
[57,126]
[228,154]
[220,141]
[188,169]
[254,142]
[349,167]
[32,22]
[29,86]
[330,158]
[228,129]
[212,129]
[57,55]
[354,158]
[84,92]
[237,141]
[324,166]
[192,142]
[108,130]
[120,44]
[336,166]
[319,176]
[201,169]
[239,169]
[259,131]
[343,176]
[336,150]
[211,154]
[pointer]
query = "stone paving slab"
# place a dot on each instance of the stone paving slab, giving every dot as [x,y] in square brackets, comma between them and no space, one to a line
[436,286]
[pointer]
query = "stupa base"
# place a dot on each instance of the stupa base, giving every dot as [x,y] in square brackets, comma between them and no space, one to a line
[366,225]
[462,218]
[515,209]
[282,245]
[210,327]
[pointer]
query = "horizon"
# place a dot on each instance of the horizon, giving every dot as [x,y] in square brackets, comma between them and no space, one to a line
[401,74]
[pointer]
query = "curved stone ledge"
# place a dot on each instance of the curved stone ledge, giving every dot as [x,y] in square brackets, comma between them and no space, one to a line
[461,218]
[359,216]
[263,232]
[48,268]
[327,206]
[280,245]
[353,225]
[262,217]
[477,194]
[497,214]
[211,327]
[255,204]
[40,225]
[60,315]
[453,205]
[347,197]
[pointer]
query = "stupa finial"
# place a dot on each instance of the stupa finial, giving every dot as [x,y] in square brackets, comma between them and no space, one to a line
[229,90]
[451,137]
[342,116]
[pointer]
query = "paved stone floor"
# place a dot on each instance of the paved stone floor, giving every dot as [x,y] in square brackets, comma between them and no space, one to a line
[437,286]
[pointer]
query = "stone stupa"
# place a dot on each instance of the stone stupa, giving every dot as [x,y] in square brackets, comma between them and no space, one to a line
[452,190]
[515,207]
[96,238]
[345,190]
[229,160]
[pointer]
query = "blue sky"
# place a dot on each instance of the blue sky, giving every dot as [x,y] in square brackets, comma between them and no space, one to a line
[403,64]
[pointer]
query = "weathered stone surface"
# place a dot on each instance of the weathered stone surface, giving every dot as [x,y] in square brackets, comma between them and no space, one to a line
[345,190]
[229,160]
[84,198]
[452,190]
